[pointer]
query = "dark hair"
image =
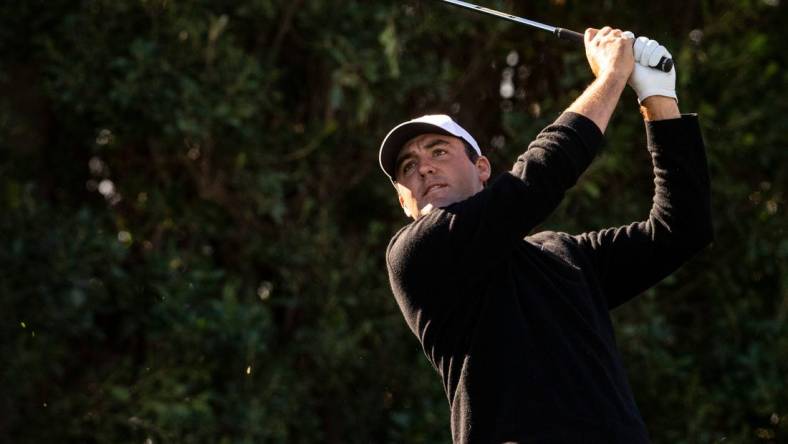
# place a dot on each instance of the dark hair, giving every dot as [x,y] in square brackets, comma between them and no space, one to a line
[470,151]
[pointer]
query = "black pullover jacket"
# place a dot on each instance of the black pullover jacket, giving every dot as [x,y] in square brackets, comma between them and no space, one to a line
[518,327]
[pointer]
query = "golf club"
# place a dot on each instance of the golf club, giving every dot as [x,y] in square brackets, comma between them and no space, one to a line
[665,64]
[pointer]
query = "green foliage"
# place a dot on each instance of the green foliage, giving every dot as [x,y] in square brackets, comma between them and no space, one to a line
[194,221]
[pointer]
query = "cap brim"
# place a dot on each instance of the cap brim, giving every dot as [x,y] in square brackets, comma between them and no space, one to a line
[398,137]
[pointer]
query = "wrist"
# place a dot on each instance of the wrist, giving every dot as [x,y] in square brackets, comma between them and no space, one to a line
[613,76]
[659,108]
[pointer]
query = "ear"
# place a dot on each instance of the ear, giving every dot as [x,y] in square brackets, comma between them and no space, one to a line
[483,166]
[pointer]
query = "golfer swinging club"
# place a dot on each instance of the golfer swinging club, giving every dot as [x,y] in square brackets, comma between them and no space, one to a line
[517,325]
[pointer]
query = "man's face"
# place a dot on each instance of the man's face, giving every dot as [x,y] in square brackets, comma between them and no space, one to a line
[434,169]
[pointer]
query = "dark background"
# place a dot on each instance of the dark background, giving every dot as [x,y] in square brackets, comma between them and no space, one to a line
[193,218]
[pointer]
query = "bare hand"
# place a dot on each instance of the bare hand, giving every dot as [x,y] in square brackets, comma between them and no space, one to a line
[609,52]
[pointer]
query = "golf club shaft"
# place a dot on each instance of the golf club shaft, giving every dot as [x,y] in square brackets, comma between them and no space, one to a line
[665,64]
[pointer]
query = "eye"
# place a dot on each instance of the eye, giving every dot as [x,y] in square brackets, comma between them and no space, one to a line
[438,152]
[407,167]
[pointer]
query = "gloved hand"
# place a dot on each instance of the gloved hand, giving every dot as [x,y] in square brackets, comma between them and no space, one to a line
[645,80]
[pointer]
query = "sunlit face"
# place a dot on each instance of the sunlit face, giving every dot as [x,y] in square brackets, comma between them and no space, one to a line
[433,169]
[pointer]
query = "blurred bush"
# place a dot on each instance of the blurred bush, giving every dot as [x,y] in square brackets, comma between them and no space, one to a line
[194,221]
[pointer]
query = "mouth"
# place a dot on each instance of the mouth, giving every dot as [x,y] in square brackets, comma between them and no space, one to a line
[434,187]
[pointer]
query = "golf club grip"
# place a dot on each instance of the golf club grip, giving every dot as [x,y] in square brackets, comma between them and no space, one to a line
[566,34]
[665,64]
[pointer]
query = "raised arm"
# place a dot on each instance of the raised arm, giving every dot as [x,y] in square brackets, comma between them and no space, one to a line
[559,155]
[610,56]
[629,259]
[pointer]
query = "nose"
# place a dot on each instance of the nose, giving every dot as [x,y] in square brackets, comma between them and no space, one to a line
[426,167]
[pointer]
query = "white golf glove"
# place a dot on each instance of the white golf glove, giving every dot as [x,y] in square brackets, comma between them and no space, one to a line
[647,81]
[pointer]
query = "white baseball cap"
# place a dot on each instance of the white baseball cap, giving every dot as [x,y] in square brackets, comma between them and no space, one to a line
[402,133]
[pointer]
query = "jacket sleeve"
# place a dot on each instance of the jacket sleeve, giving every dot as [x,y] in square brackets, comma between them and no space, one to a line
[629,259]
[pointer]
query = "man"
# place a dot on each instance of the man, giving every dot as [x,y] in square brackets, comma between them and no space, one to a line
[518,327]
